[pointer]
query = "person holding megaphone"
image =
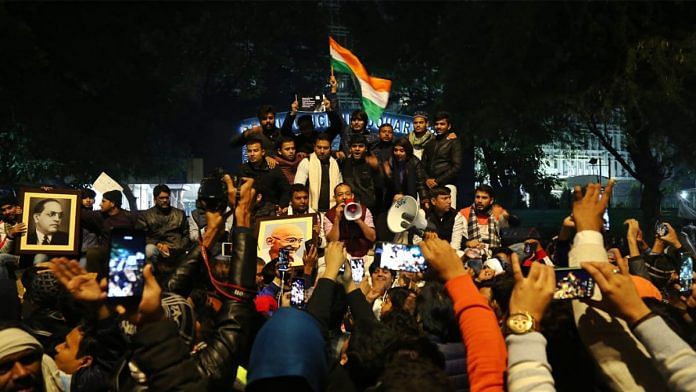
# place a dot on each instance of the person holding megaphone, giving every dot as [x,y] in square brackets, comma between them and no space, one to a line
[350,222]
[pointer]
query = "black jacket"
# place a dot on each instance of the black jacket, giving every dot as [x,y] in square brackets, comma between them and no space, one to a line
[363,180]
[163,356]
[57,238]
[442,159]
[413,183]
[170,227]
[271,183]
[102,224]
[444,223]
[305,143]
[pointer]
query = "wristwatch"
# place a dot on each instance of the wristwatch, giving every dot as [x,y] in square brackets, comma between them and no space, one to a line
[520,323]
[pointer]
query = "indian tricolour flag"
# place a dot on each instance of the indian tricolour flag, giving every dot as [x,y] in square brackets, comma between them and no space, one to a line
[374,91]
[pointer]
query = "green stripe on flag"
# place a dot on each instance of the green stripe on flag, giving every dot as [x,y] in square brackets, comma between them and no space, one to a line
[374,112]
[340,66]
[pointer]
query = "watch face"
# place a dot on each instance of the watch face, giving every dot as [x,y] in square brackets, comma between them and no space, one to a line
[520,323]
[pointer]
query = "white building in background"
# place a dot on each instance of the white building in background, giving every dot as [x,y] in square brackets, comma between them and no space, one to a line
[565,160]
[585,159]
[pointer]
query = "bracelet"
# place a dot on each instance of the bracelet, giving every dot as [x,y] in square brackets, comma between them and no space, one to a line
[643,319]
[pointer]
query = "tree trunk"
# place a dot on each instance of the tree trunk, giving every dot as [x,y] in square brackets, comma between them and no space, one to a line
[650,200]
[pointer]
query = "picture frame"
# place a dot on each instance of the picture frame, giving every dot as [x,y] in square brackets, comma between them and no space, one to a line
[52,219]
[290,232]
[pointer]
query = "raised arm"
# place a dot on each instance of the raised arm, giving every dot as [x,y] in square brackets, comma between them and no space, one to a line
[486,353]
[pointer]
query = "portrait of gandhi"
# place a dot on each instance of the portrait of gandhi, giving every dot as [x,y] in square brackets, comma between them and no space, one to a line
[284,236]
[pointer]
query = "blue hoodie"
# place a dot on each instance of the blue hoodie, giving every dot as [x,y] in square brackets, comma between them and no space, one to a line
[290,344]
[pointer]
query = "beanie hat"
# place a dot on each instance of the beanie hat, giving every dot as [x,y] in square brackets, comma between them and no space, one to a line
[177,309]
[114,196]
[421,114]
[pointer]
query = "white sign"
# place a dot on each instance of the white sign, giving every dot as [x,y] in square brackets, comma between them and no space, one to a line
[104,183]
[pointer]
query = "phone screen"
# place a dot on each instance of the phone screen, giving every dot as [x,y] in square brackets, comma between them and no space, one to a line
[307,245]
[284,260]
[297,293]
[573,283]
[686,274]
[126,263]
[528,251]
[399,257]
[357,267]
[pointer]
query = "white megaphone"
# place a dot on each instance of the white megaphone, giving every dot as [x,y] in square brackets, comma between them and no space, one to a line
[405,214]
[352,210]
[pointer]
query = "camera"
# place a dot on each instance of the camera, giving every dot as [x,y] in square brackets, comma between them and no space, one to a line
[212,194]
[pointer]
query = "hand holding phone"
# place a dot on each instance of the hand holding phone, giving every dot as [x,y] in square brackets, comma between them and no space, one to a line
[284,260]
[573,283]
[126,263]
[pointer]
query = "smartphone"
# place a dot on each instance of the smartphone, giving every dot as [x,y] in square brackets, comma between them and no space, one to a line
[284,260]
[686,272]
[400,257]
[297,293]
[227,249]
[308,244]
[126,263]
[573,283]
[357,267]
[528,250]
[661,229]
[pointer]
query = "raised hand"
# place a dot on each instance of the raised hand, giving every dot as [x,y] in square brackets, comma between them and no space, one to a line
[82,285]
[440,255]
[334,257]
[588,209]
[18,229]
[619,294]
[346,278]
[309,259]
[533,293]
[671,237]
[150,307]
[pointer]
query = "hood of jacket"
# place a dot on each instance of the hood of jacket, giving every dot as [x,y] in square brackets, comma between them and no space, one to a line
[290,344]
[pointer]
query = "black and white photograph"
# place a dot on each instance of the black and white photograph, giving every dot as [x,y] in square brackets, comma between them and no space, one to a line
[52,222]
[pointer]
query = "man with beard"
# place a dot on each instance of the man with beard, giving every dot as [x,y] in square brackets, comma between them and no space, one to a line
[478,226]
[320,173]
[270,183]
[362,174]
[10,230]
[420,136]
[442,157]
[288,158]
[166,227]
[23,365]
[266,131]
[357,126]
[299,204]
[305,139]
[383,149]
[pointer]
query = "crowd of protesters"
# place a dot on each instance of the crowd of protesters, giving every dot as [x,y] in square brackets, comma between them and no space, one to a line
[484,316]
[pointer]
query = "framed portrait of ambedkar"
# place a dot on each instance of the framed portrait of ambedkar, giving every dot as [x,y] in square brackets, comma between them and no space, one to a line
[285,232]
[52,221]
